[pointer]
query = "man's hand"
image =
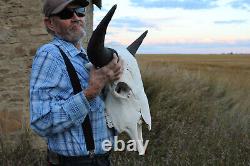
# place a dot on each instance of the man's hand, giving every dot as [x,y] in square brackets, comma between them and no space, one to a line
[100,77]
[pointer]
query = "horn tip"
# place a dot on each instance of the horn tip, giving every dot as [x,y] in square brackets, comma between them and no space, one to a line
[115,6]
[112,10]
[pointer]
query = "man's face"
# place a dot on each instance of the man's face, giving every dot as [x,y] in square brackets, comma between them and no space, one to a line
[71,29]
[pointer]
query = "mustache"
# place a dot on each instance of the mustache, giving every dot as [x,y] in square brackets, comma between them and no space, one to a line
[77,21]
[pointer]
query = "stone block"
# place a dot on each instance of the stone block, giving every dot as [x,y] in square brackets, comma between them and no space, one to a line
[10,121]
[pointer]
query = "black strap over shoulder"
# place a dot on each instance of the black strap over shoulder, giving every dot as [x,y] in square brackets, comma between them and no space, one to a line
[86,125]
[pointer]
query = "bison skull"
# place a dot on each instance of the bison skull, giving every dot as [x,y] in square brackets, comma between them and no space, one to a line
[126,102]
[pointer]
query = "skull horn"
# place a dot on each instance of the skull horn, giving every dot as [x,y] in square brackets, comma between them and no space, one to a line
[99,55]
[132,48]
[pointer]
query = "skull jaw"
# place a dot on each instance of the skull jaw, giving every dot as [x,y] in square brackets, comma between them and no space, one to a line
[125,120]
[125,111]
[136,135]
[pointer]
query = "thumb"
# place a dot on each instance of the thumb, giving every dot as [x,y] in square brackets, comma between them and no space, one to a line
[88,65]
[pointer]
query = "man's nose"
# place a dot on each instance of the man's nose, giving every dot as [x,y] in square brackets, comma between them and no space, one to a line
[75,16]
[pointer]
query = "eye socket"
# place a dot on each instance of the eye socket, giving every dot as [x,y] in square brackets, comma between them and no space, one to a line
[123,90]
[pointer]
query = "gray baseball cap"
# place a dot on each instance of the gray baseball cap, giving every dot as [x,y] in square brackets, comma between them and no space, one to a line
[55,6]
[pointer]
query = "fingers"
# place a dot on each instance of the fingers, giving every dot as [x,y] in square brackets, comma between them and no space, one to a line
[112,71]
[117,75]
[115,57]
[114,68]
[118,68]
[113,63]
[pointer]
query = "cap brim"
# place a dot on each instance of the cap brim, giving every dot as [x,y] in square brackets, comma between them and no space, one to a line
[62,6]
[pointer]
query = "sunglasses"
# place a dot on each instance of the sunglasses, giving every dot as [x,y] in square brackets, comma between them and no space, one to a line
[68,13]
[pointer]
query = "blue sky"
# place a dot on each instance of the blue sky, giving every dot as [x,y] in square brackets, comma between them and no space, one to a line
[180,26]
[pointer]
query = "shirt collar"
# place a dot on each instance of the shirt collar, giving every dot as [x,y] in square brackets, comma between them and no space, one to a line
[68,47]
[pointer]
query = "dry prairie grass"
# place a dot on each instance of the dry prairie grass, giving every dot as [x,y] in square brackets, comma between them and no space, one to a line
[200,112]
[18,150]
[233,70]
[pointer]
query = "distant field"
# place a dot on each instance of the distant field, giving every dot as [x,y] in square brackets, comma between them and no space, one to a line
[201,62]
[233,68]
[200,107]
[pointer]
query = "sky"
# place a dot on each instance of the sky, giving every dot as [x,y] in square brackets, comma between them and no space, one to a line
[180,26]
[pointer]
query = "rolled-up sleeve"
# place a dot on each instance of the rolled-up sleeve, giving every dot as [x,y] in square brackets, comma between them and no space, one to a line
[76,107]
[53,107]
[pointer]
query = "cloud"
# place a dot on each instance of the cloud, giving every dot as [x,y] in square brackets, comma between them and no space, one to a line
[194,48]
[230,22]
[130,22]
[241,4]
[183,4]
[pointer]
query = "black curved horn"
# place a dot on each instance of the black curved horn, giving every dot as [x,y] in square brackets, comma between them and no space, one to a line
[132,48]
[99,55]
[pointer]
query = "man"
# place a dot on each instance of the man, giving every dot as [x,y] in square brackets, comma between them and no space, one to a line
[56,112]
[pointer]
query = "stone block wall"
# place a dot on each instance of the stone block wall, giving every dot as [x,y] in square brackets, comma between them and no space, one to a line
[21,33]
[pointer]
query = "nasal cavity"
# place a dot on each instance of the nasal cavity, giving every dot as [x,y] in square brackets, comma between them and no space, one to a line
[122,88]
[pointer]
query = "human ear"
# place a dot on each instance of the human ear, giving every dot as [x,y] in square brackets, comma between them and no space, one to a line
[49,23]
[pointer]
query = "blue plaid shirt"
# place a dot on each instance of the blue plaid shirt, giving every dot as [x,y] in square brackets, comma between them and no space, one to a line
[55,112]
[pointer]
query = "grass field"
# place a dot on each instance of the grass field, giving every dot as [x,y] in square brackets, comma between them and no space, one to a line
[200,113]
[200,110]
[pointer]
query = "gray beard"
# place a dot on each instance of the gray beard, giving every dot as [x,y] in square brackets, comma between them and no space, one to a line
[74,37]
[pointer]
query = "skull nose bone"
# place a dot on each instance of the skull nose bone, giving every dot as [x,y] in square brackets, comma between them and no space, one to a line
[122,89]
